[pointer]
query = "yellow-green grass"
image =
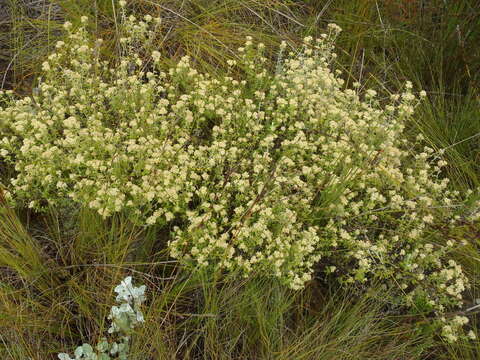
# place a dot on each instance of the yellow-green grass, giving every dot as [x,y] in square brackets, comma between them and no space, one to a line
[57,288]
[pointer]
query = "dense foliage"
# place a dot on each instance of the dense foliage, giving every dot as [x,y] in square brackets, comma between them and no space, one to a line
[273,170]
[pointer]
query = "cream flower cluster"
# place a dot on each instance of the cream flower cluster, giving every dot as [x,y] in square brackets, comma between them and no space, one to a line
[256,170]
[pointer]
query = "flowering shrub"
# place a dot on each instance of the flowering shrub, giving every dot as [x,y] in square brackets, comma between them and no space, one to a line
[124,320]
[257,170]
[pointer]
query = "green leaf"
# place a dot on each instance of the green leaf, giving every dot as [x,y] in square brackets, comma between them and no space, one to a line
[78,352]
[87,349]
[64,356]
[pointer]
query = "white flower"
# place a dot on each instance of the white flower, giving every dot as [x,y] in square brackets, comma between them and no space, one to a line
[156,55]
[128,293]
[63,356]
[335,28]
